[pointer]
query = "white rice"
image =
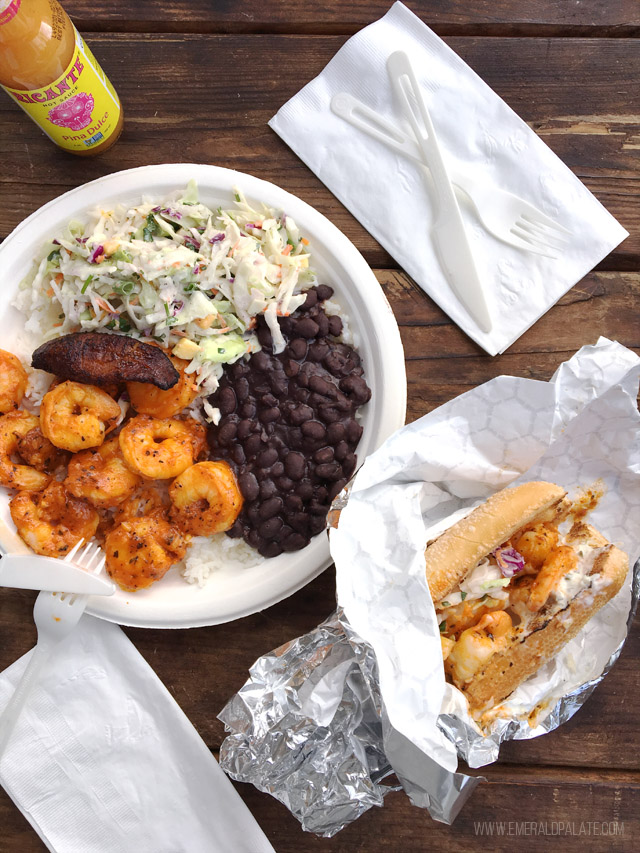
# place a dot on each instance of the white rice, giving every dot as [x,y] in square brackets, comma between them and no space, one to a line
[209,554]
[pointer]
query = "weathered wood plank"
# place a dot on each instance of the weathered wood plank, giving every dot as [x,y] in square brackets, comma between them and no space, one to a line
[551,17]
[205,111]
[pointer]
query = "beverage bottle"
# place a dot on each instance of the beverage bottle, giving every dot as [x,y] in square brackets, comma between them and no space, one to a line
[47,68]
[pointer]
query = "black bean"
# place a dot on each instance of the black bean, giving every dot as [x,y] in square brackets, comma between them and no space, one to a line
[301,394]
[318,509]
[291,368]
[253,444]
[268,401]
[324,292]
[244,429]
[329,414]
[349,464]
[304,489]
[356,388]
[306,328]
[238,454]
[320,494]
[240,368]
[253,512]
[341,451]
[278,469]
[264,336]
[321,386]
[329,471]
[284,484]
[336,432]
[318,351]
[299,521]
[270,549]
[227,432]
[325,454]
[354,431]
[253,539]
[279,384]
[227,400]
[336,488]
[267,489]
[270,507]
[284,532]
[295,542]
[295,465]
[261,361]
[335,326]
[300,414]
[312,298]
[267,457]
[270,528]
[241,387]
[268,416]
[249,485]
[248,409]
[298,348]
[293,503]
[317,524]
[236,530]
[314,430]
[323,325]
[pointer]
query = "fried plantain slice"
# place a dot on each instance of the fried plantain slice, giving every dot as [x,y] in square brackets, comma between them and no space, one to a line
[99,358]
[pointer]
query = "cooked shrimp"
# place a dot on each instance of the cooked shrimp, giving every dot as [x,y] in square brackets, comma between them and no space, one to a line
[101,476]
[476,645]
[464,615]
[141,551]
[447,645]
[14,426]
[206,498]
[559,563]
[77,417]
[37,451]
[159,449]
[145,502]
[13,381]
[536,544]
[147,399]
[52,521]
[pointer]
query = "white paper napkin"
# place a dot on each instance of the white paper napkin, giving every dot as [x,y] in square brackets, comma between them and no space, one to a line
[104,761]
[387,192]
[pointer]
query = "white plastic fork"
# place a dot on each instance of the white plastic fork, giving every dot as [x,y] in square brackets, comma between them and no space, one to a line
[508,217]
[56,614]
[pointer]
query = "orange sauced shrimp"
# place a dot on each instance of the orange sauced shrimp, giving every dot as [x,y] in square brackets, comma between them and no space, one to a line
[101,476]
[147,399]
[145,502]
[141,551]
[160,449]
[52,521]
[76,417]
[476,645]
[206,498]
[461,616]
[536,544]
[14,426]
[13,381]
[37,451]
[560,562]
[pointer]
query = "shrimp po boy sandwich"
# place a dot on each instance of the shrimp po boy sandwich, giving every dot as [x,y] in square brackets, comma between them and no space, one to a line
[512,582]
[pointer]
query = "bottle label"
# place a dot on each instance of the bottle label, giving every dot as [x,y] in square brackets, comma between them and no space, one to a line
[80,109]
[8,9]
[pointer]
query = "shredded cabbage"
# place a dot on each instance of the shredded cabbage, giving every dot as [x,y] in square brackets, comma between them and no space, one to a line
[191,278]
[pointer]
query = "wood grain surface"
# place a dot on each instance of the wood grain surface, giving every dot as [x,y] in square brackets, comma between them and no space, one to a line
[199,80]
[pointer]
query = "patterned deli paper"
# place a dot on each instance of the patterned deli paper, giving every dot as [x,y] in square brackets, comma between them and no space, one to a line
[581,427]
[480,135]
[324,719]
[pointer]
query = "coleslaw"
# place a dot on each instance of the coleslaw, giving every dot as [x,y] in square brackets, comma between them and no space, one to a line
[179,273]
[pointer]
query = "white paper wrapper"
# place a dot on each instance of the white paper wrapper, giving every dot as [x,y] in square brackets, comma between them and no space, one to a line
[581,427]
[478,133]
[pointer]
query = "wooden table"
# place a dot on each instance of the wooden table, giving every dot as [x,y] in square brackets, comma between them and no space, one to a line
[199,79]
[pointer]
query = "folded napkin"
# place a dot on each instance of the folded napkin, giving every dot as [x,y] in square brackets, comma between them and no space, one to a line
[104,761]
[477,131]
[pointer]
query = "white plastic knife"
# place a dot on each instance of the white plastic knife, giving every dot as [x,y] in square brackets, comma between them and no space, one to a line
[29,571]
[448,231]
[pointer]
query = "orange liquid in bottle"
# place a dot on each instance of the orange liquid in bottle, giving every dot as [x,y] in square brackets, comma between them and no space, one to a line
[46,67]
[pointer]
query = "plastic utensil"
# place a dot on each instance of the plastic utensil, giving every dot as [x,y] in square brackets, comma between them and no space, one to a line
[448,231]
[29,571]
[507,216]
[56,614]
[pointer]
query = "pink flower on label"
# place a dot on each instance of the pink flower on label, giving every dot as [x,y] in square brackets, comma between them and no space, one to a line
[74,113]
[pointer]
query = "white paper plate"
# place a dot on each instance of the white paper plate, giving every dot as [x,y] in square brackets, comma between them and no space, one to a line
[172,603]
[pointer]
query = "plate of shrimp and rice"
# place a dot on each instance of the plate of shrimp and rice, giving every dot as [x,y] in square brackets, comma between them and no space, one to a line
[153,299]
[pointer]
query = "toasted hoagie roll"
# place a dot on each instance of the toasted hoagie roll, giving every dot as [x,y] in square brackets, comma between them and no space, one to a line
[512,582]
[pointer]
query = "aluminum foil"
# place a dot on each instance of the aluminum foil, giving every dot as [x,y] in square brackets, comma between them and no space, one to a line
[322,721]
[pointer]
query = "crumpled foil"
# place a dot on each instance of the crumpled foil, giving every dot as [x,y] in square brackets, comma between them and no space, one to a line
[323,720]
[309,728]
